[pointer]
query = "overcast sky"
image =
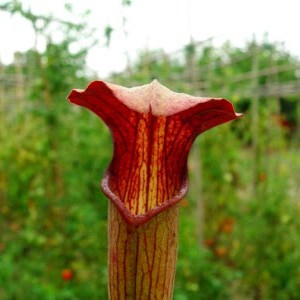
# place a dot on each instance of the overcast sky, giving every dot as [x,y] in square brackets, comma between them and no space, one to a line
[167,24]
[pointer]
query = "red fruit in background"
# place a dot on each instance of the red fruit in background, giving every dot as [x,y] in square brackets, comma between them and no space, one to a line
[184,203]
[2,246]
[67,274]
[208,243]
[262,177]
[221,251]
[227,225]
[283,122]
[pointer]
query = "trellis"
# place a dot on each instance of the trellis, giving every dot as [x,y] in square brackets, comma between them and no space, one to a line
[12,86]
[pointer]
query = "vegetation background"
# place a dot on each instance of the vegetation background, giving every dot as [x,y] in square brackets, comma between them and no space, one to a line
[239,225]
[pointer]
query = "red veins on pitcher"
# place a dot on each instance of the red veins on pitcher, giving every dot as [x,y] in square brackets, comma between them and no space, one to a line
[153,129]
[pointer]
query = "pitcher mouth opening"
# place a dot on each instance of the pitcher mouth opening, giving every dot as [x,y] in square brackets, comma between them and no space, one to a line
[140,219]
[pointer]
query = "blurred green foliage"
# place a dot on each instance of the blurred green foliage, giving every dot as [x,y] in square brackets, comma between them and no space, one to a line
[52,215]
[53,240]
